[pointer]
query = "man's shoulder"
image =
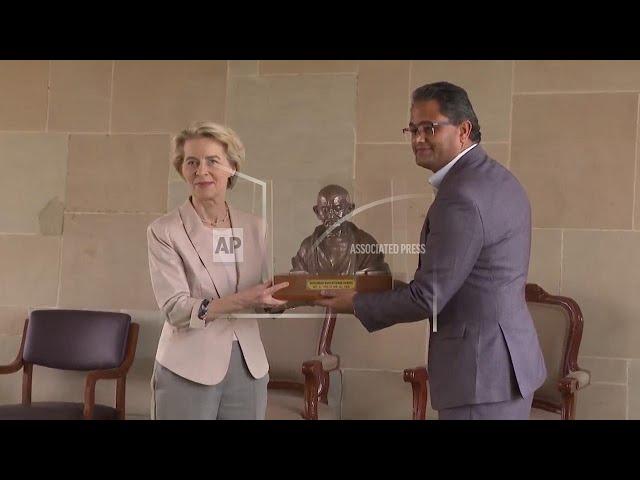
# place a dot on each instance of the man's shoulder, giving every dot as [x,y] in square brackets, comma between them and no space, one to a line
[482,178]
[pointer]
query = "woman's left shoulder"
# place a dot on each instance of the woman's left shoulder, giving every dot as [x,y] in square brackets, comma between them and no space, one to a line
[245,217]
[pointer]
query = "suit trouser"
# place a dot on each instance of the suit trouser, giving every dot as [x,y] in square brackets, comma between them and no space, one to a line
[238,396]
[516,409]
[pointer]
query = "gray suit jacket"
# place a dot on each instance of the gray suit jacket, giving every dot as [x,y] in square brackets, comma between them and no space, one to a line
[477,235]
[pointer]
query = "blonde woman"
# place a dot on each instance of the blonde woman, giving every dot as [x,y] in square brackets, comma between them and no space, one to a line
[209,365]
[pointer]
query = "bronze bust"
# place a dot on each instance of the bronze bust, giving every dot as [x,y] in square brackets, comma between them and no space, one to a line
[331,248]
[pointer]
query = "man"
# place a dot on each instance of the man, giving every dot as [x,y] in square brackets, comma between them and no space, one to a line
[484,360]
[345,249]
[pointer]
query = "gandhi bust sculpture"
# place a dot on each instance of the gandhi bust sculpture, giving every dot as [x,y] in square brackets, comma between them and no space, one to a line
[330,249]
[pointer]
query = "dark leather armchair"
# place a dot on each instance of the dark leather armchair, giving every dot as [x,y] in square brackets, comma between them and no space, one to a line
[101,343]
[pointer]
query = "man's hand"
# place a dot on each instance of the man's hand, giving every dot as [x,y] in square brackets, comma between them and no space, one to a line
[338,302]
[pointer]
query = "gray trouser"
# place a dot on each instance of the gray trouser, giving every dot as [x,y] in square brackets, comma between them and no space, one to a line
[238,397]
[516,409]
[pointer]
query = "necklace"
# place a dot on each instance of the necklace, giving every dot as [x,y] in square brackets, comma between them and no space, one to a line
[217,222]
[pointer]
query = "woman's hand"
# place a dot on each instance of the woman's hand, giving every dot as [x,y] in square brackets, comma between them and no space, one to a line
[261,295]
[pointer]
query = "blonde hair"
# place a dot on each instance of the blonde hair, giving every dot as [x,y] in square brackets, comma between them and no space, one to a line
[227,137]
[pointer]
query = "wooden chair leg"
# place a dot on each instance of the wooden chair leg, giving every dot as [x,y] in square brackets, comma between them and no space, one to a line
[121,388]
[568,406]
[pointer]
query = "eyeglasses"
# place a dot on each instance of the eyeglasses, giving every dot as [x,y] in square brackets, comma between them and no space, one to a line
[428,129]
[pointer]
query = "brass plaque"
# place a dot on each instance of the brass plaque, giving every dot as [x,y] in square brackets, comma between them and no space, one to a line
[331,284]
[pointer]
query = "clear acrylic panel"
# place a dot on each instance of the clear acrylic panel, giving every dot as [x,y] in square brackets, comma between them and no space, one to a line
[333,231]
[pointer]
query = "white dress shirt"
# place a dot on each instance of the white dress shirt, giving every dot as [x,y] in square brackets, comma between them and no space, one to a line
[436,179]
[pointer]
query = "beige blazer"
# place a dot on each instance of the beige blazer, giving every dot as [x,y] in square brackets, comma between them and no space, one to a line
[183,273]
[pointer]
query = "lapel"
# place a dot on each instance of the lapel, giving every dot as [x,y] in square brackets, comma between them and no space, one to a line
[475,154]
[201,238]
[241,223]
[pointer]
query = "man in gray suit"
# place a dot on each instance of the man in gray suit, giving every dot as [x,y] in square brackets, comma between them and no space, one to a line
[485,360]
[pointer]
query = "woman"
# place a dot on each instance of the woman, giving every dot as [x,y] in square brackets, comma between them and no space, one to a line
[209,365]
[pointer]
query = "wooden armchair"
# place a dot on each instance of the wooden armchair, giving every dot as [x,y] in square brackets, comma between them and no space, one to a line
[101,343]
[299,384]
[559,322]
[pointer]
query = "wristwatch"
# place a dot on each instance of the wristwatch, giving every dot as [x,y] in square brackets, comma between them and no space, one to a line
[204,307]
